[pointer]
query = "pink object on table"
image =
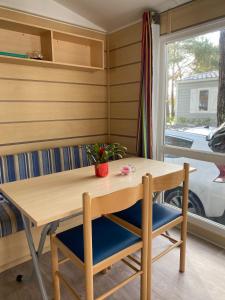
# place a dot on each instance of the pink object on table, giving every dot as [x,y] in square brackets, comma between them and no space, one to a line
[127,170]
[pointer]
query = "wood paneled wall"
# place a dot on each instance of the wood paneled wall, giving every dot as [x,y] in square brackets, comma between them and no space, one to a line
[191,14]
[124,80]
[46,107]
[124,63]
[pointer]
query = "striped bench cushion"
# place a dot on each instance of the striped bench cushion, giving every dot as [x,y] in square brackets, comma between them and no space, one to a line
[10,218]
[32,164]
[42,162]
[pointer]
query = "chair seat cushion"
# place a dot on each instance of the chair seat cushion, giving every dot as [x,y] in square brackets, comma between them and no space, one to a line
[108,239]
[162,214]
[10,217]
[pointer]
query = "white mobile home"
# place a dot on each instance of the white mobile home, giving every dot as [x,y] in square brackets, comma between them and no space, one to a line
[197,99]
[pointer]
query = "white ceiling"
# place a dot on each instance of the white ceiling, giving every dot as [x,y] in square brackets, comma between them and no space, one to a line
[113,14]
[103,15]
[50,9]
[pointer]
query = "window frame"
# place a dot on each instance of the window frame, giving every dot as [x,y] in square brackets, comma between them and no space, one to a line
[208,100]
[162,148]
[211,107]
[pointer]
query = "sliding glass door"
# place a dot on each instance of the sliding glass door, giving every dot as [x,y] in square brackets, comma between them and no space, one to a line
[193,103]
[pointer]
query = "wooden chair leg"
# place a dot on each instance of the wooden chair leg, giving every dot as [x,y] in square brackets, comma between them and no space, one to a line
[183,246]
[55,269]
[89,277]
[144,276]
[149,270]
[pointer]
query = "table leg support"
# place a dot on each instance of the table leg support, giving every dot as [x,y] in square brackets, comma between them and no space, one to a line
[48,229]
[34,257]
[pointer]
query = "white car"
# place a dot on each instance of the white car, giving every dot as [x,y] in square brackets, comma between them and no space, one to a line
[206,196]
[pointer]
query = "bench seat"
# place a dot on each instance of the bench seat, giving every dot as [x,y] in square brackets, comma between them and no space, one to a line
[32,164]
[10,218]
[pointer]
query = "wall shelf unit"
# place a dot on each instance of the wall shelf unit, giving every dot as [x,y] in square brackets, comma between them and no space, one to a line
[59,49]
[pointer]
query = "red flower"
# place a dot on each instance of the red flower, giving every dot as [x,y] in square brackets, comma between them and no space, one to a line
[101,150]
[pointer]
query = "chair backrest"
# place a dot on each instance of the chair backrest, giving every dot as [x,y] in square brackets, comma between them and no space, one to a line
[111,203]
[170,181]
[116,201]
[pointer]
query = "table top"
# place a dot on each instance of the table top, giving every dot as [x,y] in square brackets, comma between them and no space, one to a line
[51,197]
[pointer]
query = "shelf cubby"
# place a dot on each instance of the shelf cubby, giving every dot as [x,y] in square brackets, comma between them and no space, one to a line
[23,39]
[59,49]
[77,50]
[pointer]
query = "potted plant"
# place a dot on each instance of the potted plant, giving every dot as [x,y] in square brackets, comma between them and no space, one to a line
[99,155]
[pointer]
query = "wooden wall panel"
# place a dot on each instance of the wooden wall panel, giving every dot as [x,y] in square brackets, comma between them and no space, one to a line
[164,23]
[43,107]
[15,89]
[32,146]
[125,74]
[126,55]
[124,127]
[126,36]
[51,111]
[124,77]
[124,62]
[34,73]
[125,92]
[191,14]
[39,131]
[124,110]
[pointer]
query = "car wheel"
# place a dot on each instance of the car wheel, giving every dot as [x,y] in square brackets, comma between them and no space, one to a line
[174,197]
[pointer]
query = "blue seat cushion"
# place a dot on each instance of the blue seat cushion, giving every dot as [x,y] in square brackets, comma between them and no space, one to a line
[162,214]
[108,239]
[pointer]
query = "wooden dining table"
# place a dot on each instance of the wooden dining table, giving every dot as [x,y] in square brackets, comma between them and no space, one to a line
[49,199]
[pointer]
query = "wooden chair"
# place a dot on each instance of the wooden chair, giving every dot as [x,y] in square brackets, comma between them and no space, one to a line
[100,242]
[161,217]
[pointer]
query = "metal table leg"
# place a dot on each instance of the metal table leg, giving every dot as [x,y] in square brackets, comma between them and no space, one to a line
[34,254]
[156,197]
[47,229]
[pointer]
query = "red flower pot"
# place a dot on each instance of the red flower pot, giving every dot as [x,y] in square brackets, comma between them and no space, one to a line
[102,170]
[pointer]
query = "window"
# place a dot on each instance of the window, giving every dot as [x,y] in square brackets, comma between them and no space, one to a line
[190,132]
[203,100]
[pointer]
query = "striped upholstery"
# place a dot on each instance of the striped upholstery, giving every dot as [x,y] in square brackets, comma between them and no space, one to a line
[42,162]
[32,164]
